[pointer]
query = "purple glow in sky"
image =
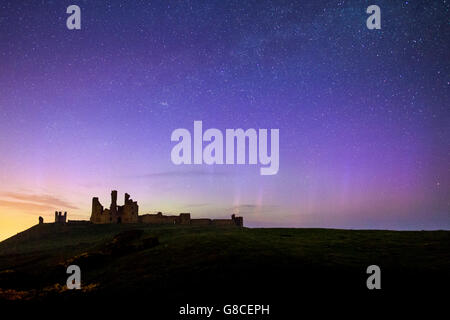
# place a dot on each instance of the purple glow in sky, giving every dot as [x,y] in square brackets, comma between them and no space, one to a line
[363,114]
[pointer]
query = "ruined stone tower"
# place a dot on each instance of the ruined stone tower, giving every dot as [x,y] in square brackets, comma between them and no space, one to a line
[113,207]
[60,218]
[128,213]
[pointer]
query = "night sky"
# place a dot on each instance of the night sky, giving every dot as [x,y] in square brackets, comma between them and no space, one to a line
[363,114]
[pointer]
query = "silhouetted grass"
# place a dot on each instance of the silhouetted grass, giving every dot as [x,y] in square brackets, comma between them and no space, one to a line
[214,263]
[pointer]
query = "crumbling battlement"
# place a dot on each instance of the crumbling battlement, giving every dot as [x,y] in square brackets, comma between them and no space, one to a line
[59,217]
[128,213]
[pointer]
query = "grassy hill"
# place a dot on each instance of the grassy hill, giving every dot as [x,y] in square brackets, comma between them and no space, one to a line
[177,264]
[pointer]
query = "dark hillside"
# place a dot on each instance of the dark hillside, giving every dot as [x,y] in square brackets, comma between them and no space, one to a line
[179,264]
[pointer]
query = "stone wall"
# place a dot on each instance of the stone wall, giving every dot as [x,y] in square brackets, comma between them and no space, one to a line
[201,222]
[222,222]
[158,218]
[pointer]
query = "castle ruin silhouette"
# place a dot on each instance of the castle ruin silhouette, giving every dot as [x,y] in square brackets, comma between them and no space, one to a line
[129,213]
